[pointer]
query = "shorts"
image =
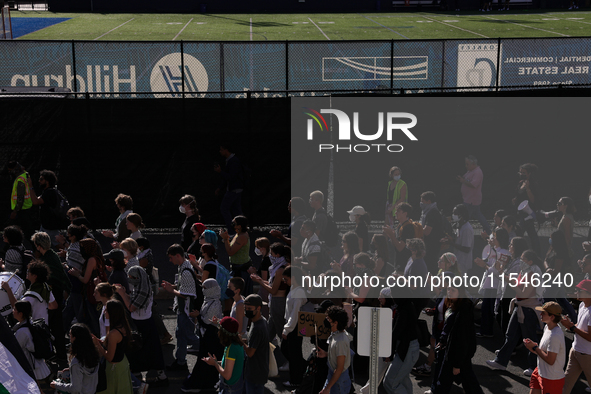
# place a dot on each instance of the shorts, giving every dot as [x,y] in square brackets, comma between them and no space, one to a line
[548,386]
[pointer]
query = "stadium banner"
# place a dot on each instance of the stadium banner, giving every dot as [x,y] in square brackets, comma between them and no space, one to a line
[167,69]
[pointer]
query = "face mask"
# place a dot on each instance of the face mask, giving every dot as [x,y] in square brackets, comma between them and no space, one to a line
[550,241]
[327,324]
[125,254]
[523,177]
[134,282]
[455,218]
[249,314]
[396,177]
[351,217]
[230,293]
[182,209]
[372,248]
[258,252]
[523,266]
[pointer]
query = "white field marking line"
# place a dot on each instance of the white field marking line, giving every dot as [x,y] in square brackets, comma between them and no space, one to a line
[319,29]
[113,29]
[519,24]
[455,27]
[250,29]
[184,27]
[384,26]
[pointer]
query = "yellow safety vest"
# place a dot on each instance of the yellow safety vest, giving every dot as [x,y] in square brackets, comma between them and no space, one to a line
[28,203]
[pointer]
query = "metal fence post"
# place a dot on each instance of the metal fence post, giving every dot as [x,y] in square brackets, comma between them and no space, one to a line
[286,66]
[442,65]
[74,67]
[498,61]
[183,68]
[392,66]
[222,86]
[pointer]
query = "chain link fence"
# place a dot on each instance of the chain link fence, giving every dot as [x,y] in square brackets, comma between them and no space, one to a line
[113,69]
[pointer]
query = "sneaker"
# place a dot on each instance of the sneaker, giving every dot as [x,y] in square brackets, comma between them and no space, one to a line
[479,335]
[189,390]
[290,385]
[528,372]
[284,367]
[497,352]
[423,370]
[166,340]
[588,389]
[428,392]
[143,388]
[495,365]
[158,382]
[175,366]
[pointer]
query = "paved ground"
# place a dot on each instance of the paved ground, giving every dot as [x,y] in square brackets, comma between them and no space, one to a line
[511,381]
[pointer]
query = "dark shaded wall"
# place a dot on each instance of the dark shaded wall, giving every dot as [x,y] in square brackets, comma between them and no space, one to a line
[155,150]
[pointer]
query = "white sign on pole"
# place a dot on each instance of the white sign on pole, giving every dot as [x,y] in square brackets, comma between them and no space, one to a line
[364,333]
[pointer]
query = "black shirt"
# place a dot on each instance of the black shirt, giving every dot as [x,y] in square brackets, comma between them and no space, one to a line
[48,219]
[186,233]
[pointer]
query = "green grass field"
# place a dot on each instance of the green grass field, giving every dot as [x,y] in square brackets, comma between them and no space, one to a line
[260,27]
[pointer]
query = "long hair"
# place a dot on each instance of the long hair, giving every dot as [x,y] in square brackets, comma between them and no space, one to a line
[352,241]
[519,246]
[83,348]
[455,304]
[226,339]
[117,317]
[382,247]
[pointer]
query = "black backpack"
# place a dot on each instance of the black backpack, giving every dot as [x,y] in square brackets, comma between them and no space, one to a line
[331,233]
[60,210]
[42,338]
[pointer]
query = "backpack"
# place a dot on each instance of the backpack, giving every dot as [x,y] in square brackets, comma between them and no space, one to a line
[331,234]
[222,276]
[60,210]
[42,338]
[418,228]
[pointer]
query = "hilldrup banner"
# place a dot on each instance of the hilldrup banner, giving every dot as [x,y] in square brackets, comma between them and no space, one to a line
[166,69]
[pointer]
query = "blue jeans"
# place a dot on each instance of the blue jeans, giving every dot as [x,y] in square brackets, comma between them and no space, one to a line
[231,207]
[474,211]
[236,388]
[185,335]
[515,332]
[253,388]
[343,384]
[397,378]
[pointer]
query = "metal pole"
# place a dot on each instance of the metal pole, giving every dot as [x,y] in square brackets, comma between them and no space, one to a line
[183,68]
[74,67]
[442,65]
[375,347]
[222,86]
[498,61]
[286,66]
[392,67]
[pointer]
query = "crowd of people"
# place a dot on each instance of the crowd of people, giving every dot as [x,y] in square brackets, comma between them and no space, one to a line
[232,313]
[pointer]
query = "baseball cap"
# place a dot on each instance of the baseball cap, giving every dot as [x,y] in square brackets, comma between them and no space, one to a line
[253,300]
[552,308]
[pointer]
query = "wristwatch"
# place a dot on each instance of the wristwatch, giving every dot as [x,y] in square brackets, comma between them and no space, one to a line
[572,329]
[533,349]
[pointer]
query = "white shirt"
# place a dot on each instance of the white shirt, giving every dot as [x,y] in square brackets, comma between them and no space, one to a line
[39,308]
[103,322]
[145,313]
[552,341]
[580,344]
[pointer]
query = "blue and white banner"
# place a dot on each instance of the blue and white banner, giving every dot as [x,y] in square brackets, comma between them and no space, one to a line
[161,70]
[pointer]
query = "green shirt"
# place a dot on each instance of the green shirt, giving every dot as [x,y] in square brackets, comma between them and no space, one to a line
[242,256]
[236,353]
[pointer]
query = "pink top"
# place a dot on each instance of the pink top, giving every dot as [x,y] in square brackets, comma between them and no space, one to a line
[473,195]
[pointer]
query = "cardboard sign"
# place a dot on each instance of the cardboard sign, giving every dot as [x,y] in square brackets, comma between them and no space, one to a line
[306,322]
